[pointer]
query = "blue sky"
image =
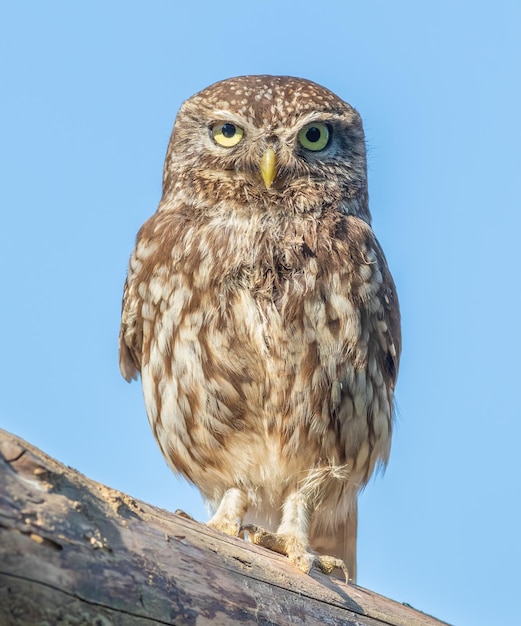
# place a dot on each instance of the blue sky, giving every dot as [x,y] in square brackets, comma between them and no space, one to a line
[89,96]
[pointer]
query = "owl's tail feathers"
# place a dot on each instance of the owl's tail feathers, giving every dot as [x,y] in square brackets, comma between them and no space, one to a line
[341,544]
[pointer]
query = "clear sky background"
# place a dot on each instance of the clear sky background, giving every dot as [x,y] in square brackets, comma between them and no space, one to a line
[88,95]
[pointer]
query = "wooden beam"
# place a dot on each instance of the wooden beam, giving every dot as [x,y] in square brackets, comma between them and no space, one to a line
[74,551]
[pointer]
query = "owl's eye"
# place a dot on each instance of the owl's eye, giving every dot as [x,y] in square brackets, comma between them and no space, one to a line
[314,136]
[227,135]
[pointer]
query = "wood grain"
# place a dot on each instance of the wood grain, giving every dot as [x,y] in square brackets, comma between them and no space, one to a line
[75,552]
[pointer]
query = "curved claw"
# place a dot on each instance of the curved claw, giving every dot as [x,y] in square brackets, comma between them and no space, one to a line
[255,533]
[327,564]
[300,555]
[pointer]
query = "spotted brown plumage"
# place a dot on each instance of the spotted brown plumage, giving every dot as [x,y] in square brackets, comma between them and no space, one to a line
[262,316]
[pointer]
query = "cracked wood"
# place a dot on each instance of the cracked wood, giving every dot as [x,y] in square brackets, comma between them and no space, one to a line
[75,551]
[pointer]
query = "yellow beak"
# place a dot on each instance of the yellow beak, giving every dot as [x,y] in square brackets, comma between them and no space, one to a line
[268,167]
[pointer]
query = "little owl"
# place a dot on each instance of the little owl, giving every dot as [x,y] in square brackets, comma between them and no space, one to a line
[262,316]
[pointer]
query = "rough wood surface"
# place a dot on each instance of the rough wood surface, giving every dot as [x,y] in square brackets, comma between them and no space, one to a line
[74,552]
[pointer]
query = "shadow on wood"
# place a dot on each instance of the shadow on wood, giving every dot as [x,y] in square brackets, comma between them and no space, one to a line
[73,551]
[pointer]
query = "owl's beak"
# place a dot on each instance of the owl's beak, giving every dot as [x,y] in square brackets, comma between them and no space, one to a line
[268,167]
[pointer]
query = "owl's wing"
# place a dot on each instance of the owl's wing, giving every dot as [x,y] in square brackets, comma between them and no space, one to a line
[378,300]
[381,314]
[131,332]
[390,333]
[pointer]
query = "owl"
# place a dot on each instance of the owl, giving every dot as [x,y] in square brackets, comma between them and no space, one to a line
[261,315]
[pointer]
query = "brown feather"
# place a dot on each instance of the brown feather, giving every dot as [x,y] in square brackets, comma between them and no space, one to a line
[265,323]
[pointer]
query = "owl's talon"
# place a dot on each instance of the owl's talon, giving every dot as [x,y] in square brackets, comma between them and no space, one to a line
[327,564]
[250,529]
[300,555]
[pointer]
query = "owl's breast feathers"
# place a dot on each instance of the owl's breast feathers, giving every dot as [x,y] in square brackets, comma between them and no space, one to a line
[247,329]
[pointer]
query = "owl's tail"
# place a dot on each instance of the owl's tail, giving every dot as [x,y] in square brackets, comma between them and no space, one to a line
[341,544]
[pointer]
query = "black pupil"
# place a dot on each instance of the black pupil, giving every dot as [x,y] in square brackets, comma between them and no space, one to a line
[313,134]
[228,130]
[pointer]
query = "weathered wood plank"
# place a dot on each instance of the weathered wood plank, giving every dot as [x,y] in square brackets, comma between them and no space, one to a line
[73,551]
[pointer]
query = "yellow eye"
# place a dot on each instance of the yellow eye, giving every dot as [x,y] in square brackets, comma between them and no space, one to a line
[227,134]
[314,136]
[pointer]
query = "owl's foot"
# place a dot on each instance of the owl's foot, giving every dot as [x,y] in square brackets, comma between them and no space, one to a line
[229,526]
[225,525]
[297,551]
[230,512]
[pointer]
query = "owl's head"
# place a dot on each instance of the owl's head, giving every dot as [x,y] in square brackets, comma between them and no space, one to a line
[268,142]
